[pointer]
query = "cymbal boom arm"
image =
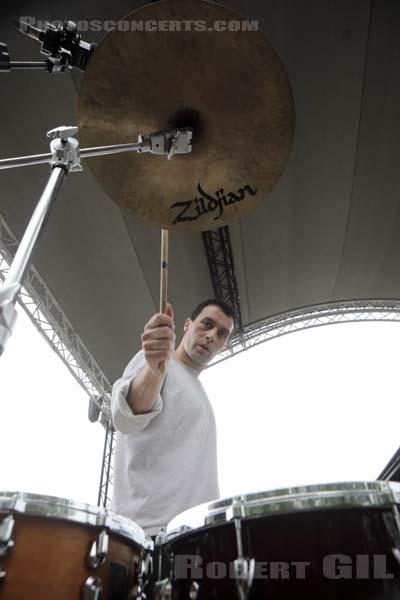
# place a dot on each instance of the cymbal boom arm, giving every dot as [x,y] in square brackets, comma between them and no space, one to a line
[162,142]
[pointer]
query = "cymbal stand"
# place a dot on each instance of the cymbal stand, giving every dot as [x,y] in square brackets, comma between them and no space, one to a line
[65,157]
[62,45]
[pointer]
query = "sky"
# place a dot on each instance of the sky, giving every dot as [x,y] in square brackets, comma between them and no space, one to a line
[315,406]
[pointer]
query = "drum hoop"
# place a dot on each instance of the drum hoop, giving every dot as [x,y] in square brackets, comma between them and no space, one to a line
[285,501]
[78,512]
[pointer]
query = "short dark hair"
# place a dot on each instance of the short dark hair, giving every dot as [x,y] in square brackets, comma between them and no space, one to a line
[226,309]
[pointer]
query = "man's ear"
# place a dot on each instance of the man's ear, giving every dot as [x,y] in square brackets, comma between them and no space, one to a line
[187,325]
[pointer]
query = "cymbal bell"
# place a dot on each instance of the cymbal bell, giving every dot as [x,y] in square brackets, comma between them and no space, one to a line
[229,86]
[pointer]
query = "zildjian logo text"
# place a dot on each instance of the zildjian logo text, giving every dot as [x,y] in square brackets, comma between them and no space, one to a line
[205,203]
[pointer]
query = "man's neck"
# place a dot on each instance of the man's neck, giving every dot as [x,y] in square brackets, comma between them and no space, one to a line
[181,355]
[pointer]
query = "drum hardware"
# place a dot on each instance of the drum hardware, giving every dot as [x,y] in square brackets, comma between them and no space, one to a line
[62,45]
[6,530]
[243,567]
[65,157]
[178,141]
[163,589]
[65,148]
[98,550]
[194,590]
[6,543]
[144,574]
[396,539]
[244,575]
[169,142]
[6,64]
[92,589]
[160,537]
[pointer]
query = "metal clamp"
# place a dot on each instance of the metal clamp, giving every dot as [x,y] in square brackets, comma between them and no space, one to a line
[177,141]
[98,550]
[5,63]
[65,148]
[92,589]
[163,589]
[6,529]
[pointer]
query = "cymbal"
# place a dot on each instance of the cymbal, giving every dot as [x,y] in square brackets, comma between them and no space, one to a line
[229,86]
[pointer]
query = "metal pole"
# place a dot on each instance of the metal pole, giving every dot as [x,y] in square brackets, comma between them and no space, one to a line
[22,258]
[12,285]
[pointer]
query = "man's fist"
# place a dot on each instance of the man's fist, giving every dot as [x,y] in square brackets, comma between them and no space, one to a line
[158,339]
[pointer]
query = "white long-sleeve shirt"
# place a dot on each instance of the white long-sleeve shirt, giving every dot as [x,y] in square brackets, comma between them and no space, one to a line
[165,460]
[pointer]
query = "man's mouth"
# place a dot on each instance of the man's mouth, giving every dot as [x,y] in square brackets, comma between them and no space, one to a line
[204,347]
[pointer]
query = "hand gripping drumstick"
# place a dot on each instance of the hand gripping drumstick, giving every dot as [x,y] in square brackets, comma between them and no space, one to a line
[164,278]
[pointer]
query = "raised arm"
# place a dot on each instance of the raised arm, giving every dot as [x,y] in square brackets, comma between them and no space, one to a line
[158,343]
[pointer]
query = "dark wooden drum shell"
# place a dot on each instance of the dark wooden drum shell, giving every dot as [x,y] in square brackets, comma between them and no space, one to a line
[342,551]
[352,545]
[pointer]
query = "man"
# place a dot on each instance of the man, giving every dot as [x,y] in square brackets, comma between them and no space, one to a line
[166,453]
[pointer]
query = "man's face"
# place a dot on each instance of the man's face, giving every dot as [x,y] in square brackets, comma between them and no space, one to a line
[207,334]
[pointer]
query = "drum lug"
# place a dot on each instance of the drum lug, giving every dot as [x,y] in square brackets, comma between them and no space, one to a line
[146,570]
[6,529]
[396,548]
[2,575]
[244,567]
[163,589]
[244,575]
[92,589]
[98,551]
[194,590]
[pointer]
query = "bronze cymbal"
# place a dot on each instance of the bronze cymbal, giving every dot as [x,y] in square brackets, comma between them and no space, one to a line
[230,86]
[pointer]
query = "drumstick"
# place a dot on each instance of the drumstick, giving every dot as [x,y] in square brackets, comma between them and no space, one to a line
[163,278]
[164,270]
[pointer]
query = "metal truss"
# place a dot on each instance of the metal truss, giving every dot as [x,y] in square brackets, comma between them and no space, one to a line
[311,316]
[49,319]
[392,470]
[107,471]
[219,252]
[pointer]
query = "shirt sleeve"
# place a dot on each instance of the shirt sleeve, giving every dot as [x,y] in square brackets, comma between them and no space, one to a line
[124,419]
